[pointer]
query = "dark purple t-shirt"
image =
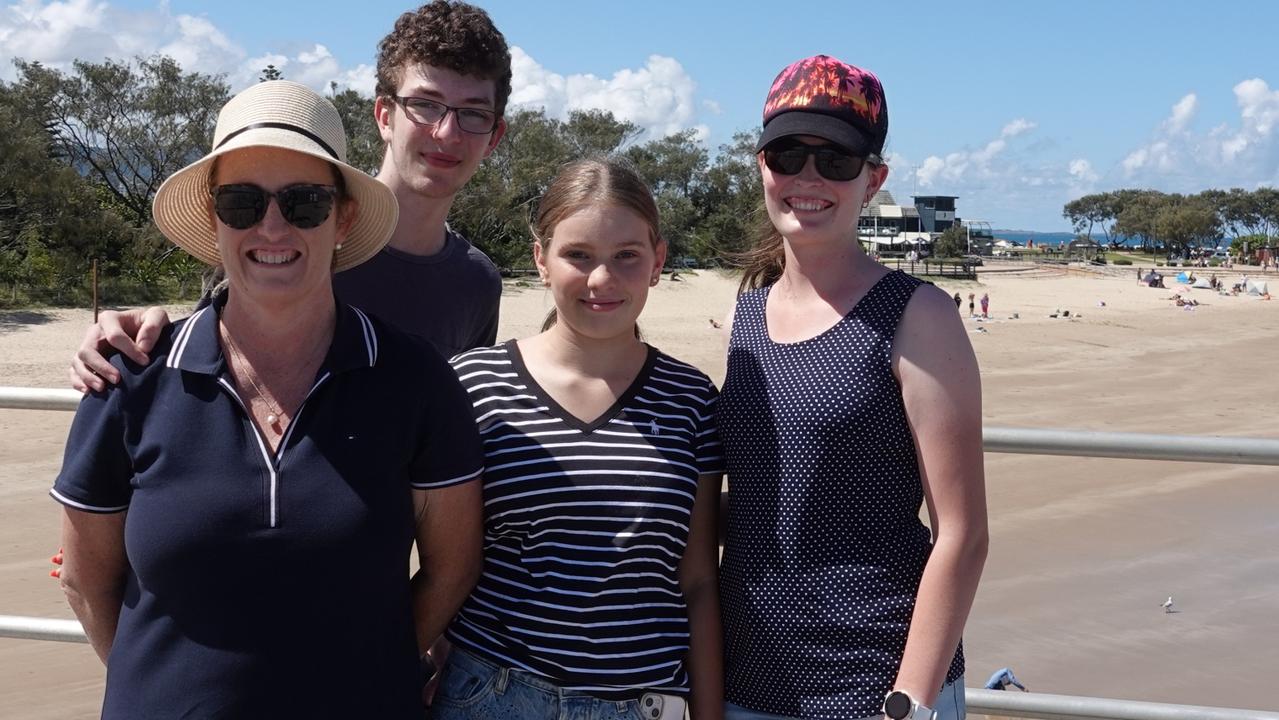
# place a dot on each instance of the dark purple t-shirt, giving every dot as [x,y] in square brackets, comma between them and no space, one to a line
[450,298]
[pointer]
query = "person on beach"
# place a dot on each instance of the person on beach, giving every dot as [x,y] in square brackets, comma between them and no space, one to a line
[958,300]
[278,458]
[985,305]
[443,81]
[598,598]
[972,311]
[851,399]
[1002,678]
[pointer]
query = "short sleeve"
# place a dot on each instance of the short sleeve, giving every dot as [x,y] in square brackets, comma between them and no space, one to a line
[710,453]
[96,467]
[449,451]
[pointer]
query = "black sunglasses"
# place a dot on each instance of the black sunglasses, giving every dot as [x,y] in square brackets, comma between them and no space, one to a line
[833,162]
[243,206]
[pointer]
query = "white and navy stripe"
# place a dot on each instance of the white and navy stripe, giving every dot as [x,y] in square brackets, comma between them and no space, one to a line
[585,525]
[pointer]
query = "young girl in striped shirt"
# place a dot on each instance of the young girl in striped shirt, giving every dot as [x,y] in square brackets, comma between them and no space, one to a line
[602,477]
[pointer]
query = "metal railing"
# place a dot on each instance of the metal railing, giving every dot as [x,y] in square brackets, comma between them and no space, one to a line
[1042,706]
[1024,441]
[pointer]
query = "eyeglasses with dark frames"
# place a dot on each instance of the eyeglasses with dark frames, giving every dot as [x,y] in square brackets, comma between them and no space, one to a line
[423,111]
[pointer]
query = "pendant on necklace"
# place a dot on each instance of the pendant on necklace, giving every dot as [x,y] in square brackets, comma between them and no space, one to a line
[272,419]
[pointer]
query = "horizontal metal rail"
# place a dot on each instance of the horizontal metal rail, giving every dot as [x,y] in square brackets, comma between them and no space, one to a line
[1040,706]
[1132,446]
[37,628]
[1023,441]
[22,398]
[980,702]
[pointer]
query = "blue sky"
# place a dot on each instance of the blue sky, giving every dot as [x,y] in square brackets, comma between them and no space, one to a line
[1016,107]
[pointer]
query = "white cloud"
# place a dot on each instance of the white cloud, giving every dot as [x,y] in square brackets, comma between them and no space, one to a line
[980,163]
[1182,113]
[1017,127]
[658,97]
[57,32]
[1081,170]
[1177,158]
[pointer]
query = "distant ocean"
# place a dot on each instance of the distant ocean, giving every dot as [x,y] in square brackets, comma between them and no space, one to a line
[1049,239]
[1052,239]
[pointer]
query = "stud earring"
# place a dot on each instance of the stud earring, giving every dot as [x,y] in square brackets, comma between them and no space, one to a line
[338,246]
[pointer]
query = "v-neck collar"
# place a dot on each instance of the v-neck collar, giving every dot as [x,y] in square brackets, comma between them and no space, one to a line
[568,418]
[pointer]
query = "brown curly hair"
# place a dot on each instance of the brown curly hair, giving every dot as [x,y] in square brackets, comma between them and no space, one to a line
[449,34]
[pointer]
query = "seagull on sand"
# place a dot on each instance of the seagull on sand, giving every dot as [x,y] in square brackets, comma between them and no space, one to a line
[1167,605]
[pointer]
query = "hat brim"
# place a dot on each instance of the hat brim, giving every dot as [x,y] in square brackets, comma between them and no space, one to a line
[826,127]
[183,208]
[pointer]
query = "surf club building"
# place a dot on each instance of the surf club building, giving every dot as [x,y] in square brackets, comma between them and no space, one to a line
[887,227]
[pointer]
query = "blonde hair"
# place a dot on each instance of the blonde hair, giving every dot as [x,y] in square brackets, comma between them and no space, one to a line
[589,183]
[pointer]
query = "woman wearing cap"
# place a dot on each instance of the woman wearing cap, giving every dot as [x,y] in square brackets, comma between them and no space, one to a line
[852,397]
[239,513]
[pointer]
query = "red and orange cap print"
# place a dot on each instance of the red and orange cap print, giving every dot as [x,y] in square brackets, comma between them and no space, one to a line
[826,86]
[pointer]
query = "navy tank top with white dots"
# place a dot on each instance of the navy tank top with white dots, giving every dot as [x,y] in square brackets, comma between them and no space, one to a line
[825,546]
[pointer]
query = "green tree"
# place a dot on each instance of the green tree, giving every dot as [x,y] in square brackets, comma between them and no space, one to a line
[1182,223]
[364,146]
[729,201]
[674,168]
[1085,212]
[270,72]
[129,126]
[591,133]
[1137,214]
[952,243]
[51,223]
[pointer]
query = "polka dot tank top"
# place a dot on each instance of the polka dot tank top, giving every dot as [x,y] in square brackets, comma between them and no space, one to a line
[825,546]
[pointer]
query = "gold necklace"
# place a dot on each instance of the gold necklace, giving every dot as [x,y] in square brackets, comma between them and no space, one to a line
[273,418]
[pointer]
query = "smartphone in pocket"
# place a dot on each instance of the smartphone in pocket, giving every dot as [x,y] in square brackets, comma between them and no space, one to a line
[656,706]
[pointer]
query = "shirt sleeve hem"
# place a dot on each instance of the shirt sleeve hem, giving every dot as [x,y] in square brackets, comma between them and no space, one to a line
[84,506]
[449,482]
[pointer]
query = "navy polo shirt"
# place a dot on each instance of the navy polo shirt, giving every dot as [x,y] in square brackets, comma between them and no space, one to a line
[269,584]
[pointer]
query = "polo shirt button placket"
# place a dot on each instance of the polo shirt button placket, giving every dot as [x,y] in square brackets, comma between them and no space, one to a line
[276,460]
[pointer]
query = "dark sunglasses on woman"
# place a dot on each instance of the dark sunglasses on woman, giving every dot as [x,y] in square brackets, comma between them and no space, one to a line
[243,206]
[787,157]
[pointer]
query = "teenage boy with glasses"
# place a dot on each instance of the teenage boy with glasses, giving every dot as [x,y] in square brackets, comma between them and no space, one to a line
[443,80]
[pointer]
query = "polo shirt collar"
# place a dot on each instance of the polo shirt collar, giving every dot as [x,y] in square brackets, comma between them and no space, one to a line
[196,347]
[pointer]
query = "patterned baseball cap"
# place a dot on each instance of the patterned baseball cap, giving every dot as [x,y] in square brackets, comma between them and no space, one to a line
[829,99]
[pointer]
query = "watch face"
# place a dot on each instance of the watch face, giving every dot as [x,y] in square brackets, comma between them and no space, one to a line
[897,705]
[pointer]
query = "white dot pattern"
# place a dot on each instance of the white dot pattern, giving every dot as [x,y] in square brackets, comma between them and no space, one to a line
[825,548]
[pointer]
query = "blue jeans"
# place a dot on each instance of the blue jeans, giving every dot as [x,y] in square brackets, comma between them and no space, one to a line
[472,688]
[949,704]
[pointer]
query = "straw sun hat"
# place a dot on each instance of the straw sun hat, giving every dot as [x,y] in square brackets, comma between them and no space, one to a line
[279,114]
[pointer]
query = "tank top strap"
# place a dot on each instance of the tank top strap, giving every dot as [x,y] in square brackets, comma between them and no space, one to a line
[749,325]
[884,304]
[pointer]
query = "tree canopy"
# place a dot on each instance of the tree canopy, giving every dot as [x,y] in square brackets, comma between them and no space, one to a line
[88,148]
[1175,222]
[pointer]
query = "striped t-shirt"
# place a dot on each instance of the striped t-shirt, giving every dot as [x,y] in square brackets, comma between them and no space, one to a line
[585,525]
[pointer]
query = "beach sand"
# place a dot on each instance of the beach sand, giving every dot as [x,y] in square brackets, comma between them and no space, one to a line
[1083,551]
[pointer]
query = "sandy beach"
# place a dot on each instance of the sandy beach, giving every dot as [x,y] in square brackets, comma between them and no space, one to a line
[1083,551]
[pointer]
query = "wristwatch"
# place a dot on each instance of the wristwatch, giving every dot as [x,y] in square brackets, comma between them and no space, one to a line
[899,705]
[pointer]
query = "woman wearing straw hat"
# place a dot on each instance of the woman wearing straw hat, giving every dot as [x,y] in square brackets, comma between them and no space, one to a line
[239,513]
